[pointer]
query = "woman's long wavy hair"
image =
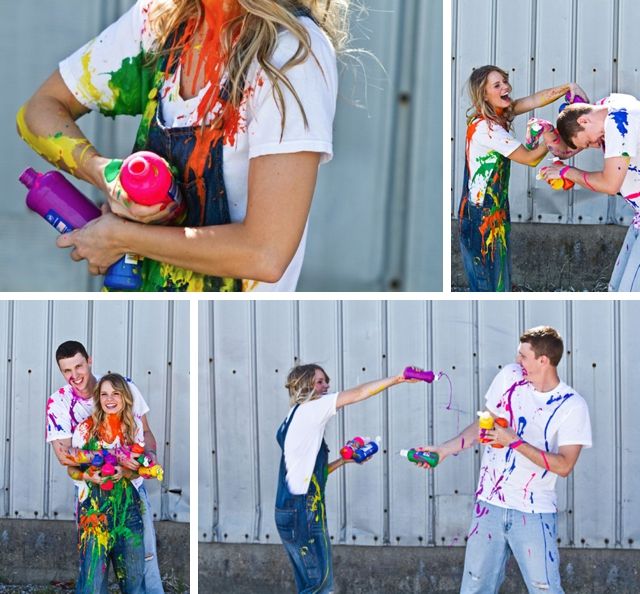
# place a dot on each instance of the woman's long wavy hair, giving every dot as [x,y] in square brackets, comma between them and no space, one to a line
[480,107]
[301,383]
[99,416]
[253,35]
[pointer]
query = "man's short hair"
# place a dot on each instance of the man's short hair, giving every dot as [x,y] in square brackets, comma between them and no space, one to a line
[545,340]
[69,349]
[567,124]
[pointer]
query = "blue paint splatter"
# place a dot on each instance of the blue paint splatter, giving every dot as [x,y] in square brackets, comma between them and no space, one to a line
[620,118]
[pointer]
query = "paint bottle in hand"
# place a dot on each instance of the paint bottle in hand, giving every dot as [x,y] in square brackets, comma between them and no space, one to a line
[487,422]
[65,208]
[147,179]
[425,376]
[417,456]
[346,452]
[367,450]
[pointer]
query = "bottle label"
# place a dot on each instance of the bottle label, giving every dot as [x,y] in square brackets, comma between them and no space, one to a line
[132,259]
[57,222]
[174,191]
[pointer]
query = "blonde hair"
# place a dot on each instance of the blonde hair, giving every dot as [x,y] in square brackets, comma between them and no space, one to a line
[480,107]
[301,383]
[99,416]
[252,35]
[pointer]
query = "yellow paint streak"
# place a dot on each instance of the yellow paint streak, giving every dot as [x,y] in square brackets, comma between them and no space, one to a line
[317,505]
[88,89]
[59,150]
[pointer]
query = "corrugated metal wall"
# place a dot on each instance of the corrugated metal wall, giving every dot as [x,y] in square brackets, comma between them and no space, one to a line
[246,350]
[544,43]
[147,341]
[371,201]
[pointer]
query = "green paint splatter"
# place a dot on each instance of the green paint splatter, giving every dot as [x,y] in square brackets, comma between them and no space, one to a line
[112,170]
[58,135]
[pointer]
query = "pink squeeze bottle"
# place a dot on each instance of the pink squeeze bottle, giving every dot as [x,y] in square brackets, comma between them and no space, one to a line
[147,179]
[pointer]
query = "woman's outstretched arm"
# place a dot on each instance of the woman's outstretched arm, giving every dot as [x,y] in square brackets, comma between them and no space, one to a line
[546,96]
[364,391]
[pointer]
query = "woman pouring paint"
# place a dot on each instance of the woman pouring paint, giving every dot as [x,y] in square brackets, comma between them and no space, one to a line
[304,467]
[238,96]
[490,147]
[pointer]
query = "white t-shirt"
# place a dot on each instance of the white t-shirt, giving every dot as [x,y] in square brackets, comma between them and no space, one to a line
[487,142]
[89,71]
[80,439]
[66,410]
[622,139]
[546,421]
[303,440]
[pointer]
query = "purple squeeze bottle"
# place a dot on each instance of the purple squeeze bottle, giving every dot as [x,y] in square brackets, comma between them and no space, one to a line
[65,208]
[425,376]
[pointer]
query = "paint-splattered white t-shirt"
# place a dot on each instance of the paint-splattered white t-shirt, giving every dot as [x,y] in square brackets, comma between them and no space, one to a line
[487,144]
[303,440]
[66,410]
[100,73]
[546,421]
[622,139]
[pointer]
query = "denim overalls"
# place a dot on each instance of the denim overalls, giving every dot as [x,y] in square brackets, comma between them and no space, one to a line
[110,530]
[302,523]
[484,232]
[176,145]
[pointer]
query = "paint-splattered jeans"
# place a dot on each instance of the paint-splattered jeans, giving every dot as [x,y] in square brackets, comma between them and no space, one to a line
[304,534]
[530,537]
[106,537]
[491,271]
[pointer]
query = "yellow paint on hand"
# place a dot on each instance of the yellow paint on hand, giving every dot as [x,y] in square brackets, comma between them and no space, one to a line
[57,149]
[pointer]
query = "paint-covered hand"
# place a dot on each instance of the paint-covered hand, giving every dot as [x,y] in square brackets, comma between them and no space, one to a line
[121,203]
[550,172]
[536,129]
[441,451]
[127,461]
[576,92]
[501,435]
[96,242]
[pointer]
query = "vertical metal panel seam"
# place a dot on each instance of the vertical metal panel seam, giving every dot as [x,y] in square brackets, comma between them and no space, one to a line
[617,416]
[431,479]
[9,409]
[215,527]
[255,423]
[129,347]
[90,317]
[532,89]
[612,204]
[386,488]
[568,346]
[475,341]
[454,100]
[166,449]
[46,496]
[342,506]
[573,66]
[494,30]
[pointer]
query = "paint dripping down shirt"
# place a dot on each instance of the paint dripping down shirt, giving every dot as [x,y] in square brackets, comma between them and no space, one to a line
[108,75]
[546,420]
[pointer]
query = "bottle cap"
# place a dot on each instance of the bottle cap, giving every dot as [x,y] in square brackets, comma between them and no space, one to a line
[404,453]
[28,177]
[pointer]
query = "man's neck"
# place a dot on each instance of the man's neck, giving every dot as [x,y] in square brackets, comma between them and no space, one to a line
[546,382]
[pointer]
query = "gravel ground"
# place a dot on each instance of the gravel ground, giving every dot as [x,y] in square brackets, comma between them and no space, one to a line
[171,586]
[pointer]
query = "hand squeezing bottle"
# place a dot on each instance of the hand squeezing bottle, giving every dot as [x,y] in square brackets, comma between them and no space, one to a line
[65,208]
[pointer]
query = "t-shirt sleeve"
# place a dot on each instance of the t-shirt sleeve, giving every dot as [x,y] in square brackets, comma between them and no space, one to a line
[108,74]
[495,138]
[576,428]
[621,130]
[140,406]
[58,419]
[316,84]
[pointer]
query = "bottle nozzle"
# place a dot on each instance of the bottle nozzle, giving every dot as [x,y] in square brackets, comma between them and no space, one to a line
[29,176]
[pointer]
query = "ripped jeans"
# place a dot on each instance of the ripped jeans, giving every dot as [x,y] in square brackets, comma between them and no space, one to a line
[531,538]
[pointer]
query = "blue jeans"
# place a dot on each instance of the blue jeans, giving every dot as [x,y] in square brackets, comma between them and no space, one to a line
[110,531]
[490,271]
[302,527]
[497,531]
[152,579]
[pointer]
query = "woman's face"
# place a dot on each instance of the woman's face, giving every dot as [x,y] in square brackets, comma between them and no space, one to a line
[496,91]
[111,400]
[320,383]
